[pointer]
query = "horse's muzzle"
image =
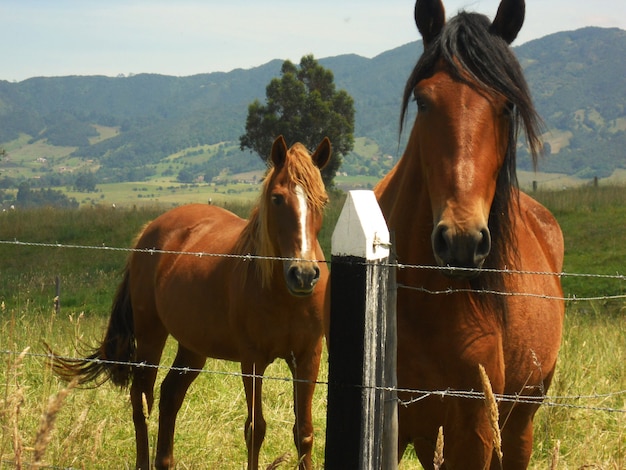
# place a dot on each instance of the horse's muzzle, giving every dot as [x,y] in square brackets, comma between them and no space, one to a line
[301,277]
[465,250]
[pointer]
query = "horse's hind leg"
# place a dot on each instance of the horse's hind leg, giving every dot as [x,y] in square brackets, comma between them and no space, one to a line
[304,370]
[150,344]
[173,391]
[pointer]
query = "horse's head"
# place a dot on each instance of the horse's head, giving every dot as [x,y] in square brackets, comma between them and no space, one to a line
[470,95]
[294,198]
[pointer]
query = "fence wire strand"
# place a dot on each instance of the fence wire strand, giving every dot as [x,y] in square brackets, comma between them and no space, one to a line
[544,400]
[551,401]
[200,254]
[511,294]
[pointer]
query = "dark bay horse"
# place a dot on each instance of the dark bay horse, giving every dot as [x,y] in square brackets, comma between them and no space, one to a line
[246,310]
[452,201]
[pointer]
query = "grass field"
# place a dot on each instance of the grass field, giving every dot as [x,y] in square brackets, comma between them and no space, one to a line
[164,193]
[92,428]
[586,427]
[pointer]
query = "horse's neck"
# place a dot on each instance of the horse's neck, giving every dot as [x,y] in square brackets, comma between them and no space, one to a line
[405,203]
[246,243]
[252,242]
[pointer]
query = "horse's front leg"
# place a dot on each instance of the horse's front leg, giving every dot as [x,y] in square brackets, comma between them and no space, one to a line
[254,431]
[468,426]
[304,369]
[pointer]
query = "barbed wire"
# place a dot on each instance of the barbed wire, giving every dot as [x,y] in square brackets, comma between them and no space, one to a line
[420,394]
[617,276]
[250,257]
[200,254]
[150,251]
[544,400]
[510,294]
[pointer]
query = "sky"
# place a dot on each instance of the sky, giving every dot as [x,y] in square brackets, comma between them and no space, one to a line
[187,37]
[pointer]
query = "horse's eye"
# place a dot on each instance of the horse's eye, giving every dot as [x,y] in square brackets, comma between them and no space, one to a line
[420,101]
[277,199]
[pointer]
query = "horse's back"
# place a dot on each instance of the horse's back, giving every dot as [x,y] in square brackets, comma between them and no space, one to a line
[183,283]
[544,228]
[179,228]
[180,235]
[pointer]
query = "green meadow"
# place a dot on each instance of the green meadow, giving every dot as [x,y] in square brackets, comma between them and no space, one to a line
[583,427]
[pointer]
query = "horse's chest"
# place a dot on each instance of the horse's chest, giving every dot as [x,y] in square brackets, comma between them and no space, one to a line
[448,325]
[276,331]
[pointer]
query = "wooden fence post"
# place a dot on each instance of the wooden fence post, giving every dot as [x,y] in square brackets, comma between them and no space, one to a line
[361,428]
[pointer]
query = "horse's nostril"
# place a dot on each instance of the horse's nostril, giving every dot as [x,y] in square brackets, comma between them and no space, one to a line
[483,246]
[441,242]
[293,275]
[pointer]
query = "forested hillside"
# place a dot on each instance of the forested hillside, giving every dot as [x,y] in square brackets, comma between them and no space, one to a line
[578,80]
[124,126]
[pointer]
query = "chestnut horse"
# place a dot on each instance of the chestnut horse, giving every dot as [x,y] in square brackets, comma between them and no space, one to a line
[452,201]
[250,310]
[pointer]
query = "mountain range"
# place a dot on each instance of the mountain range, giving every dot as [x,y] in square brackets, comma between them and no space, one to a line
[127,125]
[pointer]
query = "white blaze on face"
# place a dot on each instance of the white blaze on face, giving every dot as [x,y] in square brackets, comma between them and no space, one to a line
[303,207]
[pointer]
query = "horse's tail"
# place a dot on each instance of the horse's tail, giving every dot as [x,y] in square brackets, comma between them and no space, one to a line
[112,359]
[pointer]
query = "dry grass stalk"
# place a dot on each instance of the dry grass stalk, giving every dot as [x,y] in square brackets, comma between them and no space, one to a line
[77,428]
[438,460]
[276,463]
[97,440]
[492,407]
[44,434]
[144,407]
[77,332]
[13,409]
[555,455]
[18,447]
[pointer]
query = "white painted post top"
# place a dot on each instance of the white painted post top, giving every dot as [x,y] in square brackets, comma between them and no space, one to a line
[361,229]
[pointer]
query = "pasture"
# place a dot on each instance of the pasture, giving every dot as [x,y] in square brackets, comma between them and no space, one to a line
[584,426]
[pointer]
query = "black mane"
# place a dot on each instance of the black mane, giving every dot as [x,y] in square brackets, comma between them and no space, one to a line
[474,55]
[483,60]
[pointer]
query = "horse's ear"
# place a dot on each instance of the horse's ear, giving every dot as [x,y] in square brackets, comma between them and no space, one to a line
[279,152]
[509,19]
[322,153]
[430,16]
